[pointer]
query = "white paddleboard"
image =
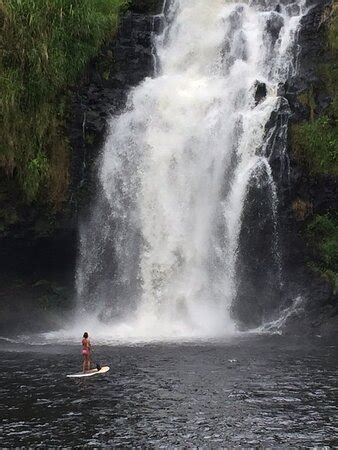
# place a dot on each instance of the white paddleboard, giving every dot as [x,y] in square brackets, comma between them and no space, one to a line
[89,373]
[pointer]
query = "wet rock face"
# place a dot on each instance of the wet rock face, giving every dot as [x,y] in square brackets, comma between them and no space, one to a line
[122,64]
[260,92]
[261,288]
[258,265]
[312,44]
[146,6]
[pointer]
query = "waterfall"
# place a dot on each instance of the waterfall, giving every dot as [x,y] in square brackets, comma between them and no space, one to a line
[158,256]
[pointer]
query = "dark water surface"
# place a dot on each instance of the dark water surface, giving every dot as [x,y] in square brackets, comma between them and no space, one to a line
[258,390]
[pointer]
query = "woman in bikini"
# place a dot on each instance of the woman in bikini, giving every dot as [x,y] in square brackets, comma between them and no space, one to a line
[86,351]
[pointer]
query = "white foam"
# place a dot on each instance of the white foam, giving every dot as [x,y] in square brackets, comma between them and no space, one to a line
[174,177]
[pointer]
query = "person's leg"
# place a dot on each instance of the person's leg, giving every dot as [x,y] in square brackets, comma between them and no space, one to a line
[84,364]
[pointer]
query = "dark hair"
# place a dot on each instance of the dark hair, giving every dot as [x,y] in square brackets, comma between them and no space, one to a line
[85,335]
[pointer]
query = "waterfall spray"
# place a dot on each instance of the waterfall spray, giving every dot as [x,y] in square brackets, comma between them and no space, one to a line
[158,257]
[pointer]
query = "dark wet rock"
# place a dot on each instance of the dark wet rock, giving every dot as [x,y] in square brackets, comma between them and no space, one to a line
[276,141]
[260,92]
[274,24]
[146,6]
[300,112]
[293,9]
[312,37]
[258,265]
[323,101]
[268,5]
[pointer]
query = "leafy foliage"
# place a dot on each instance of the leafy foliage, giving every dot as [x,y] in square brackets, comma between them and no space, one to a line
[323,234]
[316,144]
[44,45]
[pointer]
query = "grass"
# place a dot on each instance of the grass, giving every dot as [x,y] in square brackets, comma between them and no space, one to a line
[323,235]
[44,46]
[315,144]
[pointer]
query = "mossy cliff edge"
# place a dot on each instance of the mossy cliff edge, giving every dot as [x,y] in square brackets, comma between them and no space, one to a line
[314,144]
[46,45]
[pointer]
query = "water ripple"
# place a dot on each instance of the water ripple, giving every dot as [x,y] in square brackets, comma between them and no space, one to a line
[279,393]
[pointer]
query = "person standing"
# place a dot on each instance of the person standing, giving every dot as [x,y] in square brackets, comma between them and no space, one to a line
[86,352]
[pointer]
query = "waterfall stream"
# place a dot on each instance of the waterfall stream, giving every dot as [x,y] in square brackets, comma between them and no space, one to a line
[158,256]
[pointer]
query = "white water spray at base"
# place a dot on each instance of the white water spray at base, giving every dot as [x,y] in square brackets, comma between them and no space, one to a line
[158,261]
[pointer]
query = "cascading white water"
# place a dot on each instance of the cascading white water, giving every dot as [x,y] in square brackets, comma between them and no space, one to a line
[158,258]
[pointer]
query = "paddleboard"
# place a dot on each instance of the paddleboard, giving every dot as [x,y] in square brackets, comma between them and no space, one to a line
[89,373]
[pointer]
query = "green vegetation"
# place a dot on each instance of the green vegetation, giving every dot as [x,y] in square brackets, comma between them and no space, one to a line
[315,143]
[44,46]
[323,235]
